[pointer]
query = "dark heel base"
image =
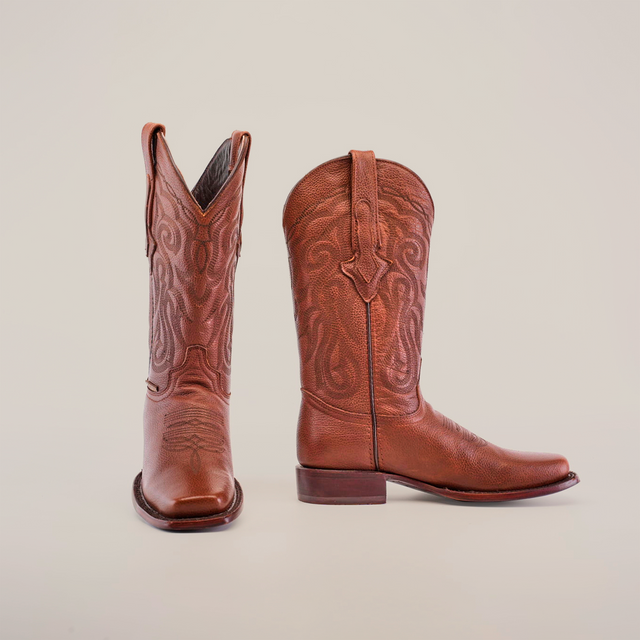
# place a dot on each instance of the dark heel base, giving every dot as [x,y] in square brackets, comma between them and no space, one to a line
[332,486]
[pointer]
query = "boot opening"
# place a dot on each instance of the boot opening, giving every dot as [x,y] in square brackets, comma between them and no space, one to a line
[214,176]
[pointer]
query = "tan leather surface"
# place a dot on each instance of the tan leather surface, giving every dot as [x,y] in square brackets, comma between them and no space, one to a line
[358,233]
[187,469]
[330,314]
[324,442]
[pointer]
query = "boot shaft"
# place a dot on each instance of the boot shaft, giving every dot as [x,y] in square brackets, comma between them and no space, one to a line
[193,242]
[358,233]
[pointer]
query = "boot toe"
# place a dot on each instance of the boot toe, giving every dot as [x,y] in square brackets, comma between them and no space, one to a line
[173,498]
[198,506]
[540,469]
[554,468]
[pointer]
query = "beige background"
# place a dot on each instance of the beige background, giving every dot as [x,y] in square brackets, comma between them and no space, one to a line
[522,118]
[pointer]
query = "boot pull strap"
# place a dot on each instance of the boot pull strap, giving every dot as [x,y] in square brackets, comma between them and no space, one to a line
[366,268]
[238,140]
[240,143]
[149,140]
[364,193]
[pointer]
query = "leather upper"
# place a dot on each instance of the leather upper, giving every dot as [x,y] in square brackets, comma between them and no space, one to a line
[193,243]
[358,232]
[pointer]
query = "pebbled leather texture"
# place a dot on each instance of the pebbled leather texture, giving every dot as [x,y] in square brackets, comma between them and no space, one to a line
[358,232]
[193,243]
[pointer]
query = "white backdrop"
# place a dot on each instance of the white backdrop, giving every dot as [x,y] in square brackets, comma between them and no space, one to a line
[522,119]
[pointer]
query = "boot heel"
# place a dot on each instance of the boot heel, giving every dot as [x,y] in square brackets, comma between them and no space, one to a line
[333,486]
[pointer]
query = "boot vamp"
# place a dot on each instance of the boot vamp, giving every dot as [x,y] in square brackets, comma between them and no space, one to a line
[187,469]
[429,447]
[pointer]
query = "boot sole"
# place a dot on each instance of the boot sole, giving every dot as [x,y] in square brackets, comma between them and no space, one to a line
[333,486]
[160,521]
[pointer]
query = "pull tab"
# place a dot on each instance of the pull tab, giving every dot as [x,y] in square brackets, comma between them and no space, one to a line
[240,146]
[149,139]
[366,268]
[238,140]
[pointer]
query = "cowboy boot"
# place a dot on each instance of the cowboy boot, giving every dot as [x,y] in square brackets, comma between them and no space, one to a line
[193,244]
[358,232]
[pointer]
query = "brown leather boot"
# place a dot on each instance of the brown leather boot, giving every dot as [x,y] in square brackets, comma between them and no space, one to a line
[193,244]
[358,232]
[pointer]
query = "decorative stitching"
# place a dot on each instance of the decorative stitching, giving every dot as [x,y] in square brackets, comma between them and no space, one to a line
[193,430]
[192,278]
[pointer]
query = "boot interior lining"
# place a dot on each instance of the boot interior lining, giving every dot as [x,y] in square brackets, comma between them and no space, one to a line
[214,176]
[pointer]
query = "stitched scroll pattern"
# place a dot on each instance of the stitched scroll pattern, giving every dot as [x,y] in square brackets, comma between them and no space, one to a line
[464,434]
[406,231]
[193,268]
[330,315]
[193,431]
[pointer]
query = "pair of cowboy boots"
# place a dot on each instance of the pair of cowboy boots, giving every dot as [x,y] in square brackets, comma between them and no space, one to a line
[358,232]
